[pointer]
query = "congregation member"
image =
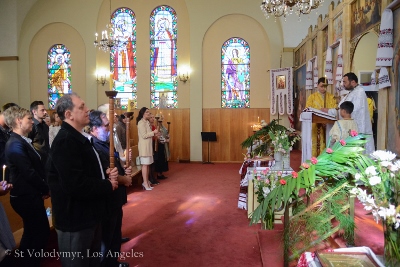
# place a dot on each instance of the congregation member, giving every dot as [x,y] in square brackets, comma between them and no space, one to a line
[5,132]
[29,189]
[342,128]
[152,172]
[40,131]
[145,146]
[111,225]
[54,127]
[161,160]
[318,100]
[120,130]
[47,120]
[79,188]
[360,113]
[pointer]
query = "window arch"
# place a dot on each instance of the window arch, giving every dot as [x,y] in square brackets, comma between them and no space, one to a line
[235,74]
[58,73]
[123,56]
[163,58]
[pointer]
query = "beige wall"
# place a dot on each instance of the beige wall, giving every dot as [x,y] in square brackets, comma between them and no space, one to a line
[56,33]
[364,58]
[260,61]
[8,80]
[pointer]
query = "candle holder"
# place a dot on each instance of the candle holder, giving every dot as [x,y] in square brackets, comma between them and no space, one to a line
[111,95]
[128,115]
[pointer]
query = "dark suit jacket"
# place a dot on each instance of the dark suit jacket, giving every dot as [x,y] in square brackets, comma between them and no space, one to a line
[40,139]
[78,192]
[26,170]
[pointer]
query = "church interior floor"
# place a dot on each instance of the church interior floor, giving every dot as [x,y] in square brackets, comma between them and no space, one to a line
[192,219]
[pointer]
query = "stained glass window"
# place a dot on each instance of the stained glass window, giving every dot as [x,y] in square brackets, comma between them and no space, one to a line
[58,73]
[163,58]
[235,74]
[123,57]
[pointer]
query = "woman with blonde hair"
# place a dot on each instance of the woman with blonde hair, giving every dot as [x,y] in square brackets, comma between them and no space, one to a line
[29,190]
[145,146]
[55,126]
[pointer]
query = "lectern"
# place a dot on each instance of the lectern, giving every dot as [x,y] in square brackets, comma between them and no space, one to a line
[208,137]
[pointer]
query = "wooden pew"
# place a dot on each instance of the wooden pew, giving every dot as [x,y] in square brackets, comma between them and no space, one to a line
[16,221]
[136,169]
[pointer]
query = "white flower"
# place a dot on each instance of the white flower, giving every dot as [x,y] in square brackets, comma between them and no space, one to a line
[370,170]
[383,155]
[358,176]
[385,163]
[266,191]
[374,180]
[393,168]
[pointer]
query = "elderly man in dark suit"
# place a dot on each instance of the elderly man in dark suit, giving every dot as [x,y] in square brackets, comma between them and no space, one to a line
[78,186]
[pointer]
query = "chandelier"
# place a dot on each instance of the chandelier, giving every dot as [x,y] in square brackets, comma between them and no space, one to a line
[280,8]
[109,38]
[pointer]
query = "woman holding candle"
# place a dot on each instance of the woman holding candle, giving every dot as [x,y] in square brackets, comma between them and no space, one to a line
[145,146]
[29,188]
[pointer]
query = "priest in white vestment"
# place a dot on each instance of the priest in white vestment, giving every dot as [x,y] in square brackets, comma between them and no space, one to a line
[360,113]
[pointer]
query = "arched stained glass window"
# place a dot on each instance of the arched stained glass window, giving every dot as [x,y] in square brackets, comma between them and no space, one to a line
[58,73]
[123,57]
[163,58]
[235,74]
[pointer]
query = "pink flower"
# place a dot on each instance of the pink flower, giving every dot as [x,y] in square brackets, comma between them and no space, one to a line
[353,133]
[266,181]
[305,165]
[282,181]
[329,150]
[314,160]
[259,178]
[254,171]
[342,142]
[279,173]
[264,172]
[294,174]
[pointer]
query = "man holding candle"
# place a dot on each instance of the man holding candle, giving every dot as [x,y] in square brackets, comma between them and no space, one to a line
[111,225]
[78,186]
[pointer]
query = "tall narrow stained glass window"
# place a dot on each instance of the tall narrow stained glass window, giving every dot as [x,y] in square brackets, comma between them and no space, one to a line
[235,74]
[58,73]
[163,58]
[123,57]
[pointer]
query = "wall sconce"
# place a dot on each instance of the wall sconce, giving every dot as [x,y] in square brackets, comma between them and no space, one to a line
[101,77]
[183,73]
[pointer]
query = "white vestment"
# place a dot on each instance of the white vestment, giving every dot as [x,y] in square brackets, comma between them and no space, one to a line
[360,115]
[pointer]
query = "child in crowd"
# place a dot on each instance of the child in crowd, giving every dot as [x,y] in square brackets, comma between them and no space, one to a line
[341,129]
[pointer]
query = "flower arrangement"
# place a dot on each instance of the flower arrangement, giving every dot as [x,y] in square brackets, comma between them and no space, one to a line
[266,181]
[283,141]
[382,180]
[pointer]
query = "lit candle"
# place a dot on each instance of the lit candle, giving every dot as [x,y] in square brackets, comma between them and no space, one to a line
[4,172]
[111,81]
[258,119]
[96,36]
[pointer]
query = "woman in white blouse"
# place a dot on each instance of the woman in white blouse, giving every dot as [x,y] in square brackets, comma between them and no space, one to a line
[145,144]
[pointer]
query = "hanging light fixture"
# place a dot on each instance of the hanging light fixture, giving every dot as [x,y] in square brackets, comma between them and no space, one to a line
[279,8]
[108,38]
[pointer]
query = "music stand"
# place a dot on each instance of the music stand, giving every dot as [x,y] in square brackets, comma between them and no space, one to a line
[209,137]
